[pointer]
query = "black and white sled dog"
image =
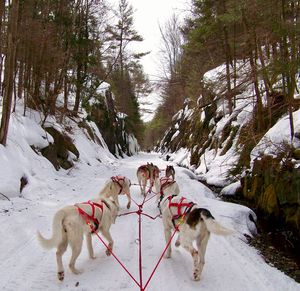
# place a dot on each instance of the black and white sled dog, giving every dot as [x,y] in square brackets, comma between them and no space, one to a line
[194,224]
[70,224]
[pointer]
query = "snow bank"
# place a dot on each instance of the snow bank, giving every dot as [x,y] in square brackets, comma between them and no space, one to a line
[273,141]
[21,157]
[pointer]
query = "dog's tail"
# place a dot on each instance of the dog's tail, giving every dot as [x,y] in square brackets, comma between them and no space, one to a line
[212,225]
[57,228]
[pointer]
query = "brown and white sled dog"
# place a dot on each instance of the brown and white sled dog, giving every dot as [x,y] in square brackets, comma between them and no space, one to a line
[116,186]
[70,224]
[194,224]
[145,173]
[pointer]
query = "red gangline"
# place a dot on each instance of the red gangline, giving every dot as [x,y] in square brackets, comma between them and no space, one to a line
[150,198]
[134,202]
[122,265]
[140,249]
[139,212]
[163,253]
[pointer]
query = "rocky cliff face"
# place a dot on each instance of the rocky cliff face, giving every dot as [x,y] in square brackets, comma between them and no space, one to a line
[220,148]
[273,186]
[112,125]
[110,131]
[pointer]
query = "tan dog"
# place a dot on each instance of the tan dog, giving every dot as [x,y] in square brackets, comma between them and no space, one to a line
[70,224]
[116,186]
[194,224]
[145,173]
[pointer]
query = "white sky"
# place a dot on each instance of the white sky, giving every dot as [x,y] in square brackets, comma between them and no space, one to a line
[148,15]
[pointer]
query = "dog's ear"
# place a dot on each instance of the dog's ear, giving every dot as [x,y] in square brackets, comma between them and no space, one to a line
[194,217]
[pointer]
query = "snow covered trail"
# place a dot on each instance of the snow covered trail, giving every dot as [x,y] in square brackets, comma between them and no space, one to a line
[231,264]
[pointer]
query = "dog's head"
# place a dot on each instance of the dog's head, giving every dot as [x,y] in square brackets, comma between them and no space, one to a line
[170,170]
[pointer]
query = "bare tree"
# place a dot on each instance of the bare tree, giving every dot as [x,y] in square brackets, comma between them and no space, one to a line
[171,51]
[9,70]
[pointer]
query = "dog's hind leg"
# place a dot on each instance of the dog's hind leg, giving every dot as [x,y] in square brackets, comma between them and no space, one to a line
[177,243]
[59,253]
[107,235]
[144,183]
[167,231]
[202,241]
[188,246]
[75,238]
[129,200]
[90,245]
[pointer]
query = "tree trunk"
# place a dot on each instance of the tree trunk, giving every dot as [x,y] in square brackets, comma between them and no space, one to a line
[2,17]
[267,82]
[287,50]
[252,45]
[78,88]
[9,70]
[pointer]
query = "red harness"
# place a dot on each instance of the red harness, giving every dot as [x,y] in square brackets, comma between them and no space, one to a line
[92,217]
[165,181]
[179,205]
[117,180]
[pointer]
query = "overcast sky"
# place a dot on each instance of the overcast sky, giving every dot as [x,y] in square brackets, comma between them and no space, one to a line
[148,15]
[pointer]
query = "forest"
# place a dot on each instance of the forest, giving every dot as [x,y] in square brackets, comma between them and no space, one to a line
[62,48]
[262,36]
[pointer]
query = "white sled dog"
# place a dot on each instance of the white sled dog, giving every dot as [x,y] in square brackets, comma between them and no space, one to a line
[164,187]
[116,186]
[70,224]
[194,224]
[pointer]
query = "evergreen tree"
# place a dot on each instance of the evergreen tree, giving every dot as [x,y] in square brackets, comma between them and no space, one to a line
[121,35]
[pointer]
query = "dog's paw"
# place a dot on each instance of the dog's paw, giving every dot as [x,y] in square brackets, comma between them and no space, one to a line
[108,252]
[61,275]
[93,257]
[167,256]
[197,273]
[128,205]
[177,243]
[196,276]
[76,271]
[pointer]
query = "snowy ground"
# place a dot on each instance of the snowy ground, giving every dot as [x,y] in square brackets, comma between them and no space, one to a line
[230,263]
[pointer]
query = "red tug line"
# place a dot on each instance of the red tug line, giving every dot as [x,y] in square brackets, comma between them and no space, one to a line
[139,212]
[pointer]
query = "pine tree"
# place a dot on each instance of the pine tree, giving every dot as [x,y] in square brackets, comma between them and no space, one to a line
[121,35]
